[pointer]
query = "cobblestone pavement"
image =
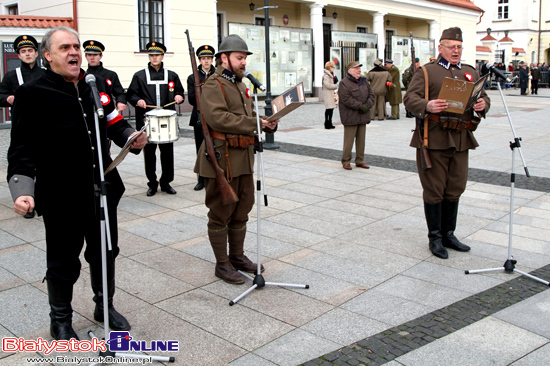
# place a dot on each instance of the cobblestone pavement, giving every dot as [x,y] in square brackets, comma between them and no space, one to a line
[357,238]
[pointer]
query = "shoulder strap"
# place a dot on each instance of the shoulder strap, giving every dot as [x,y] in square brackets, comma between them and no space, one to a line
[427,97]
[221,85]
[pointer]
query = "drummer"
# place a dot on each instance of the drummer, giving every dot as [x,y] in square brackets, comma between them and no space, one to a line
[153,88]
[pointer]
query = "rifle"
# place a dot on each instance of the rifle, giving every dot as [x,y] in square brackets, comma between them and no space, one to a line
[427,163]
[228,194]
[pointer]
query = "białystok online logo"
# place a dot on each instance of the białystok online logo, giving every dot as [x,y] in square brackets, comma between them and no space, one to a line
[118,342]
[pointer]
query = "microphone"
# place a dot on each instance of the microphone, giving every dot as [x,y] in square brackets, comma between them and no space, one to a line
[90,80]
[497,72]
[254,81]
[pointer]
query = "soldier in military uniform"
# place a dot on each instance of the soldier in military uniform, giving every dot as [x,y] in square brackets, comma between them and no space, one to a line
[27,51]
[94,53]
[407,77]
[228,110]
[393,96]
[449,139]
[206,57]
[156,86]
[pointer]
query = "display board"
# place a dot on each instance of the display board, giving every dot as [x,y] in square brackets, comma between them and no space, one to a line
[424,49]
[290,55]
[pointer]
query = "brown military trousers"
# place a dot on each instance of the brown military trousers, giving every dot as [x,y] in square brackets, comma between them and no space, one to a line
[234,215]
[447,178]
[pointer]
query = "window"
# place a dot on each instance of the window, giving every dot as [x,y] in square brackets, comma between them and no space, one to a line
[261,21]
[12,10]
[361,29]
[502,11]
[151,22]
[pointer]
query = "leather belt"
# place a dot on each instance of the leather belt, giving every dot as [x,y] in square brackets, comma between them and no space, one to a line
[455,123]
[234,140]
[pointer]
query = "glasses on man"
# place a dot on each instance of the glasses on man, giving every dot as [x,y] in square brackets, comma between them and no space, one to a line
[452,48]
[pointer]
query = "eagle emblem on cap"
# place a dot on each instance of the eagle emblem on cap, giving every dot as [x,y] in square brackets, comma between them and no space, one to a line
[24,37]
[92,43]
[153,44]
[205,47]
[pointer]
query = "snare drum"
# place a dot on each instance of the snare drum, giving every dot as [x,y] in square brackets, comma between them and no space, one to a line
[163,126]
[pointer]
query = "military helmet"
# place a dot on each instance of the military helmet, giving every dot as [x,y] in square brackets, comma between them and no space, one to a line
[233,43]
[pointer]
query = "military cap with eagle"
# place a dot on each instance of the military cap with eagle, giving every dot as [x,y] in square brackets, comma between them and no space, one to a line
[93,47]
[25,41]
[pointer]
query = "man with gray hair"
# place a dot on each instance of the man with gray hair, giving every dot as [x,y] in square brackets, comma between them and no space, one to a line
[59,106]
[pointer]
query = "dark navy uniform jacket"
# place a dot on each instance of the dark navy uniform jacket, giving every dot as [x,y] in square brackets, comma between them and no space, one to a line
[10,82]
[112,80]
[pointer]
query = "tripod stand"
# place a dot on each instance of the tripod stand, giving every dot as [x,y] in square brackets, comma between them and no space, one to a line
[510,264]
[105,232]
[258,281]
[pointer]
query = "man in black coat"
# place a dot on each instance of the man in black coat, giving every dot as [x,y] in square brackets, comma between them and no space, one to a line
[156,86]
[206,56]
[94,53]
[61,179]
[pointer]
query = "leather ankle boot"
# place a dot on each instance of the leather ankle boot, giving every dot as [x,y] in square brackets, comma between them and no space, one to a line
[116,320]
[60,296]
[242,263]
[432,212]
[228,273]
[449,213]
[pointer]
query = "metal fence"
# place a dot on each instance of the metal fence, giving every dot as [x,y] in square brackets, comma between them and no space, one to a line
[514,77]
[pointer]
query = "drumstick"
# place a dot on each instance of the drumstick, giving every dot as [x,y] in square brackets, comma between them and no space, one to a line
[166,105]
[153,106]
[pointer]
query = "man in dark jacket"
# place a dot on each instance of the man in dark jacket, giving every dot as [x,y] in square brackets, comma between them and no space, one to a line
[356,98]
[44,174]
[523,78]
[448,137]
[206,56]
[94,53]
[156,86]
[535,78]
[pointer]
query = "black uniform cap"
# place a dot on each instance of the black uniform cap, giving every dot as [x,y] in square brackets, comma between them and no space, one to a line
[24,41]
[93,47]
[205,51]
[155,48]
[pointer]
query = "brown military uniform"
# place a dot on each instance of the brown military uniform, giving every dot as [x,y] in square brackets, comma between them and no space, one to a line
[228,110]
[442,181]
[393,95]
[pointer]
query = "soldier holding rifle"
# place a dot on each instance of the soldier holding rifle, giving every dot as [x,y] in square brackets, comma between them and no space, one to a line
[447,137]
[228,113]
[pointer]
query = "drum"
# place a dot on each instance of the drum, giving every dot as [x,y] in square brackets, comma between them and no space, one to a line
[162,126]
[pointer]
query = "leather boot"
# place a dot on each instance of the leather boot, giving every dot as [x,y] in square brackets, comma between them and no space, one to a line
[228,273]
[60,296]
[116,320]
[237,258]
[449,213]
[433,219]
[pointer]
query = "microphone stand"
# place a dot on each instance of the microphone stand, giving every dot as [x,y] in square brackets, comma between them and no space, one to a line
[105,232]
[510,264]
[258,281]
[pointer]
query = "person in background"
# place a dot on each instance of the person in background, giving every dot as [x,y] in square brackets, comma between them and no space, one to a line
[156,86]
[356,98]
[27,51]
[393,96]
[93,50]
[523,77]
[330,85]
[379,79]
[535,78]
[205,54]
[407,77]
